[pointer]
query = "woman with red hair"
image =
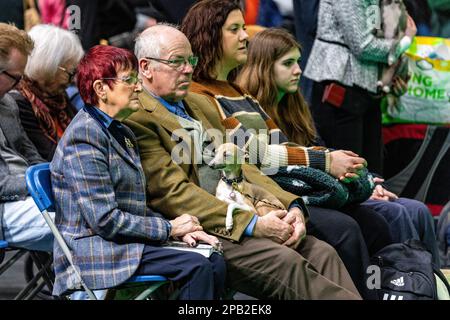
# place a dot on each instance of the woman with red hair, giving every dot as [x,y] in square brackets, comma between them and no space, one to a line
[99,189]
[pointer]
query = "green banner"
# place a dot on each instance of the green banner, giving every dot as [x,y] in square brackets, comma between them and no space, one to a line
[428,97]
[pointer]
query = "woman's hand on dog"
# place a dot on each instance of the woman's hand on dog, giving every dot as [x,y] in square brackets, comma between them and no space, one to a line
[184,224]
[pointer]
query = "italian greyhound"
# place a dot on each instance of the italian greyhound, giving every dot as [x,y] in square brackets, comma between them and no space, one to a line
[235,190]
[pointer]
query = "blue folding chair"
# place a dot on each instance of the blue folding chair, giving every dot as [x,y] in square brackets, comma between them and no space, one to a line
[39,185]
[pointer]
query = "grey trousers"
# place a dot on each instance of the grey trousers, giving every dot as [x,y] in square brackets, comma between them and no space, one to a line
[264,269]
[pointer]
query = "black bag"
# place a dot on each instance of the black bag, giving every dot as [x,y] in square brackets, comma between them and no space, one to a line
[407,272]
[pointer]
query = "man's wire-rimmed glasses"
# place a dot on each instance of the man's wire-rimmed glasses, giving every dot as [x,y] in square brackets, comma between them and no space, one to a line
[179,63]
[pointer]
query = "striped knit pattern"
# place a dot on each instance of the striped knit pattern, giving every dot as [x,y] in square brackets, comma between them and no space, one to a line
[249,127]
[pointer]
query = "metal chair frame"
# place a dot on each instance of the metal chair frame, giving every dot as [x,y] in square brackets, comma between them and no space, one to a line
[33,286]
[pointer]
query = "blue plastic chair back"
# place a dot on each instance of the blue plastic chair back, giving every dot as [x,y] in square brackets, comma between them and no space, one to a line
[40,187]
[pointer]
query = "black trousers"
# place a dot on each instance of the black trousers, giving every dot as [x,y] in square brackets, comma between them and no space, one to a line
[355,233]
[355,126]
[200,278]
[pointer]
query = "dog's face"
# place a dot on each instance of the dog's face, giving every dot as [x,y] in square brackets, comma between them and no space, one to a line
[228,157]
[394,16]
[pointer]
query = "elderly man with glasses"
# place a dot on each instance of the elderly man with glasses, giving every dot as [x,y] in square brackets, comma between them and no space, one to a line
[21,223]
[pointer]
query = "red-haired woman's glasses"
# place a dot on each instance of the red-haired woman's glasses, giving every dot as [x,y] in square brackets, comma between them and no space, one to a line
[130,80]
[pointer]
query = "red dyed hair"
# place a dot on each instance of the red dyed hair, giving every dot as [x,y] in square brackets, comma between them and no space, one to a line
[102,62]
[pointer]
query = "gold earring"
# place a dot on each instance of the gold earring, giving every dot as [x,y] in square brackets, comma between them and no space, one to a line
[104,98]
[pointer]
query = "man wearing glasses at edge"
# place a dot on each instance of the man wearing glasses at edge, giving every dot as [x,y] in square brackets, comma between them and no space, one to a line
[21,223]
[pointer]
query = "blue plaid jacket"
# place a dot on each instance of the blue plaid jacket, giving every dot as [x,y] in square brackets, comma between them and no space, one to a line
[101,211]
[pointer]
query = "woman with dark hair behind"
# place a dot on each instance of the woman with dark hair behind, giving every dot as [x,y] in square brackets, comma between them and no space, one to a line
[271,75]
[221,44]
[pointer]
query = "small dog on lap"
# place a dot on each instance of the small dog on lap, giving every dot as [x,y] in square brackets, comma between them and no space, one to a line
[235,190]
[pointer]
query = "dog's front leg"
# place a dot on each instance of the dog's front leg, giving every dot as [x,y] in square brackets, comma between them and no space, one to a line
[230,211]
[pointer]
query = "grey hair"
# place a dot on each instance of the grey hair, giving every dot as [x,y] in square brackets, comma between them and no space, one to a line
[53,47]
[151,41]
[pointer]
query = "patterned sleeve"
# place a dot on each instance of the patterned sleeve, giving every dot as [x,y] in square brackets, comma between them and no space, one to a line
[269,150]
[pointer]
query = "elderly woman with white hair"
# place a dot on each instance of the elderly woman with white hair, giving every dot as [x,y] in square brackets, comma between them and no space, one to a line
[45,110]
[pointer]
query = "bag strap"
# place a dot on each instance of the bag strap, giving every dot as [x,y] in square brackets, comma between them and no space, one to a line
[419,182]
[441,276]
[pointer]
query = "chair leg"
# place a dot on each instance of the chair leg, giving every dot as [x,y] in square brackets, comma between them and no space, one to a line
[5,266]
[24,292]
[229,294]
[32,283]
[138,291]
[174,295]
[110,294]
[147,292]
[39,260]
[35,291]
